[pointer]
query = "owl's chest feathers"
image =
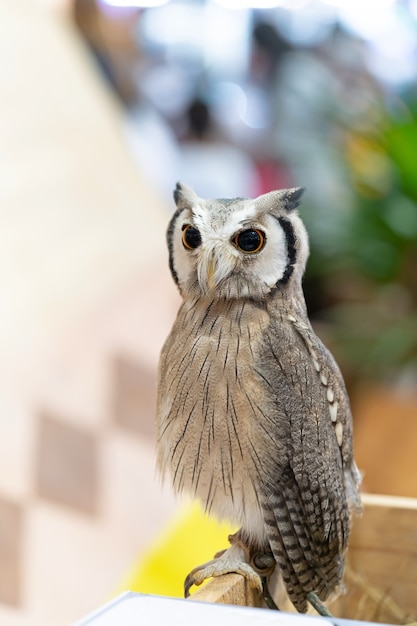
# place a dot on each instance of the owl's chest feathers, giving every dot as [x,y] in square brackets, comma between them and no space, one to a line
[208,400]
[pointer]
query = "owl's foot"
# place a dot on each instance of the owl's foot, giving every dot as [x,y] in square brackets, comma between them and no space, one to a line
[232,560]
[256,567]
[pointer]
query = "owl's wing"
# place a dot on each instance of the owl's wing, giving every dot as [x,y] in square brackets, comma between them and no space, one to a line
[305,502]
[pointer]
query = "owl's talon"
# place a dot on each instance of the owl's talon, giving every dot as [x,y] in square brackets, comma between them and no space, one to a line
[194,577]
[230,561]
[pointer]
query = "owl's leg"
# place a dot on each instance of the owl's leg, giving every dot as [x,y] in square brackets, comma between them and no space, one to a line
[233,560]
[236,559]
[240,559]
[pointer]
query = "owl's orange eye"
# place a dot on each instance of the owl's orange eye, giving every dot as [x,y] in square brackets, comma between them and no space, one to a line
[249,241]
[191,237]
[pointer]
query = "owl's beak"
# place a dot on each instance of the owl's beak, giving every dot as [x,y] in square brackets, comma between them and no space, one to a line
[207,273]
[212,271]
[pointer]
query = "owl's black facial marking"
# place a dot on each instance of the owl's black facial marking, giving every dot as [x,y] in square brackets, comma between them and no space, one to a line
[288,229]
[250,241]
[191,237]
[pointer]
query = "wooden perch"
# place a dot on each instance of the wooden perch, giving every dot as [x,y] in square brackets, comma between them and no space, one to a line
[229,589]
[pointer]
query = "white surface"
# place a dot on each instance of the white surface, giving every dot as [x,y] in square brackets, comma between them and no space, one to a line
[130,609]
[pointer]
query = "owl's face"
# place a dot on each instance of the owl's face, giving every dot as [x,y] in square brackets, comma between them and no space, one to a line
[237,248]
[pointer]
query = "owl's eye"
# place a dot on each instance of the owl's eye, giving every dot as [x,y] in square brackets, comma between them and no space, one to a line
[249,241]
[191,237]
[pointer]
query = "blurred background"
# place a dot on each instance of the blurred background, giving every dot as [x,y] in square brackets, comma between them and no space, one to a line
[104,105]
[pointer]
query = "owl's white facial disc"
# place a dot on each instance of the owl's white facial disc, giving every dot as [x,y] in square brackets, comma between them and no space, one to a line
[217,266]
[269,267]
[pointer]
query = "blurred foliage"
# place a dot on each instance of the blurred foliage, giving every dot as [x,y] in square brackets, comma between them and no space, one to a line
[367,281]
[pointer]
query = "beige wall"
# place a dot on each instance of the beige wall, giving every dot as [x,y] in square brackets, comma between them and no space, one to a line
[71,201]
[85,302]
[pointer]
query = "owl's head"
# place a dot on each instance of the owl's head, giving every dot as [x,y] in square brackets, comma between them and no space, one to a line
[237,248]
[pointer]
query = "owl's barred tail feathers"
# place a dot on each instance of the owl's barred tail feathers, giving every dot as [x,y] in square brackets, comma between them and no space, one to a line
[306,566]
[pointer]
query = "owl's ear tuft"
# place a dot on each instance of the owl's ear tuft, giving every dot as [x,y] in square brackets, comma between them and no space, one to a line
[280,200]
[184,196]
[292,198]
[177,193]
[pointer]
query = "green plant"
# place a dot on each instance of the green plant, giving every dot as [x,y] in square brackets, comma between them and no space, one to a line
[367,279]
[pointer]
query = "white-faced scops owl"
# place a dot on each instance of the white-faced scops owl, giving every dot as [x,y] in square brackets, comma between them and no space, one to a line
[253,416]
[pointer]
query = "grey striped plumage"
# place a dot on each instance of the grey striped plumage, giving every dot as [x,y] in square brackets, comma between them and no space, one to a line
[253,416]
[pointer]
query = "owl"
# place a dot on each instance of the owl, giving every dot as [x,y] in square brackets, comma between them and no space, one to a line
[253,416]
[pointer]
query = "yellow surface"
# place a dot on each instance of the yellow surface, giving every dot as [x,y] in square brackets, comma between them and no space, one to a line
[190,540]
